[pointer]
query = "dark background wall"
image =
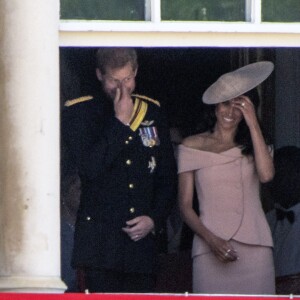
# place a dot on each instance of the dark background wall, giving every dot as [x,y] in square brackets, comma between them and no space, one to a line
[177,77]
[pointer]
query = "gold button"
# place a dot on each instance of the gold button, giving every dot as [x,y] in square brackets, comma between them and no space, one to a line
[130,138]
[132,210]
[88,218]
[131,185]
[126,142]
[128,162]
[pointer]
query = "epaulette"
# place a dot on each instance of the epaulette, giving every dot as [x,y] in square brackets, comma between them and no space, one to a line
[78,100]
[147,99]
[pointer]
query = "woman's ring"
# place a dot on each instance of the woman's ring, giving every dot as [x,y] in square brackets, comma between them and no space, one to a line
[226,254]
[243,104]
[229,250]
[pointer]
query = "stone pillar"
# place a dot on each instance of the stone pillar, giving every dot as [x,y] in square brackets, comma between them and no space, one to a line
[29,147]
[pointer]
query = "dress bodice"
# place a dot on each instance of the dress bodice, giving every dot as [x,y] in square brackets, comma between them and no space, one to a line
[227,187]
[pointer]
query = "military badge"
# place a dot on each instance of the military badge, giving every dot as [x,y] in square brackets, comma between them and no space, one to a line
[152,164]
[149,136]
[147,123]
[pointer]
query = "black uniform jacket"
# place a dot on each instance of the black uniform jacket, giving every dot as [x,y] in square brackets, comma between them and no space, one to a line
[125,171]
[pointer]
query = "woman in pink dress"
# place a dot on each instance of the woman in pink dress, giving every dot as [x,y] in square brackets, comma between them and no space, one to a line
[232,247]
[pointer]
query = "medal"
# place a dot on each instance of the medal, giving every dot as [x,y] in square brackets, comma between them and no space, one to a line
[149,136]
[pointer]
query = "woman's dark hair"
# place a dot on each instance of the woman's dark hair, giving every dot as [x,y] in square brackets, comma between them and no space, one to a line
[243,137]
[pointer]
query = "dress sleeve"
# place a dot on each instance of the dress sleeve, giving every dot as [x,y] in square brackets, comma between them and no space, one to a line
[190,159]
[187,160]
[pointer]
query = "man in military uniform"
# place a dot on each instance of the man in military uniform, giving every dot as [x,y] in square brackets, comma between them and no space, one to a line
[120,142]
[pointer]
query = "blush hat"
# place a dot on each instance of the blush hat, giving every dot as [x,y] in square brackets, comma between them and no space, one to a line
[238,82]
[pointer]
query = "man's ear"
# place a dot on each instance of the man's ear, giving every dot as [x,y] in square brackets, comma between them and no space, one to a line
[99,74]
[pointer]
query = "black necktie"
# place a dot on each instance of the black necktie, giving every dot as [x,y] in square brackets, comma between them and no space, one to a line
[281,214]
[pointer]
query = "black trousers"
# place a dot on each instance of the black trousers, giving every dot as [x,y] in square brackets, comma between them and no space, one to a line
[110,281]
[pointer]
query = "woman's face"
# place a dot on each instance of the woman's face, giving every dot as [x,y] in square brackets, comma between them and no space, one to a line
[228,115]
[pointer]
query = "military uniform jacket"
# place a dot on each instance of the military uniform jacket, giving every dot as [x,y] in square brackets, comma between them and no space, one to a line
[125,171]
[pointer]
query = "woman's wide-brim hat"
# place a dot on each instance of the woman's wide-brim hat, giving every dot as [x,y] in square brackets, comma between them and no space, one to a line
[238,82]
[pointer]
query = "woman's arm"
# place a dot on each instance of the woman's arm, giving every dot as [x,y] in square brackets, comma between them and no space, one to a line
[221,248]
[262,154]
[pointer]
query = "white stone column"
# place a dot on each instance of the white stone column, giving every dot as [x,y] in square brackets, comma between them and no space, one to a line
[29,147]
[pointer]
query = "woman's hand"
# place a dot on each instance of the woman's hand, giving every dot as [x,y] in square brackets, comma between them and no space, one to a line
[247,108]
[222,249]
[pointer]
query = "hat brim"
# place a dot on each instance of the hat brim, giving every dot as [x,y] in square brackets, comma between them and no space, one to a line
[238,82]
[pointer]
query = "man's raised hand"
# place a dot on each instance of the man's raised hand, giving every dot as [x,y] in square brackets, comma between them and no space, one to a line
[123,104]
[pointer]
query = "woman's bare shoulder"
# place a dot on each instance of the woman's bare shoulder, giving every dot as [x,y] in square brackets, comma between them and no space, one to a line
[195,141]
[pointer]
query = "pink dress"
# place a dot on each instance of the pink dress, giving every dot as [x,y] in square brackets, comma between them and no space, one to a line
[229,203]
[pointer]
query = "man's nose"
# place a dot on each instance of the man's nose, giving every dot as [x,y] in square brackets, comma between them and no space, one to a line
[119,84]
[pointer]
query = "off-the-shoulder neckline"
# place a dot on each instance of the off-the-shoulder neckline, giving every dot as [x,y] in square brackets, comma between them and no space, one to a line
[205,151]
